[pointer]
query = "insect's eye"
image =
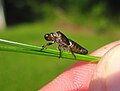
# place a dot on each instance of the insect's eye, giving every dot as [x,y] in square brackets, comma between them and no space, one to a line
[47,37]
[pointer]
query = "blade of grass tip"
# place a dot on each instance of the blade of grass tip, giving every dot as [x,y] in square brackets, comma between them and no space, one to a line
[13,49]
[17,44]
[23,46]
[6,45]
[20,47]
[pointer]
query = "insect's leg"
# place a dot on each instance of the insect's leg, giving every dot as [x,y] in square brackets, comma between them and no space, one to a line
[72,53]
[48,44]
[59,48]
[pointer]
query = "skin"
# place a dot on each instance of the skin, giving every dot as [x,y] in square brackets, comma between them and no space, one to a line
[86,76]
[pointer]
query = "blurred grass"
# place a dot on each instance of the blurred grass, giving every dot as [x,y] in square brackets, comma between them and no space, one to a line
[23,72]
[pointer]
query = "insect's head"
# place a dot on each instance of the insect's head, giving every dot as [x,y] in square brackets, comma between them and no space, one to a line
[52,36]
[48,37]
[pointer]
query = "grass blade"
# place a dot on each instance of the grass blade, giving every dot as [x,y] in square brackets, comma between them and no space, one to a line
[11,46]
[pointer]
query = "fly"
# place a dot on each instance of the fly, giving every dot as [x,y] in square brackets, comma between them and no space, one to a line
[64,43]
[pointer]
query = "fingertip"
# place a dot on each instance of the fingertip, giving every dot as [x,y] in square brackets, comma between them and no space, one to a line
[107,74]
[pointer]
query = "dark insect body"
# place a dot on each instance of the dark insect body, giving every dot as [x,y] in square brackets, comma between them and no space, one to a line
[64,43]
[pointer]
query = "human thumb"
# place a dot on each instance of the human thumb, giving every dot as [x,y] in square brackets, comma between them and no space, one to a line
[107,73]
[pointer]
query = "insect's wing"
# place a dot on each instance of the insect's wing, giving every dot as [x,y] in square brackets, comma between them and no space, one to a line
[64,38]
[78,48]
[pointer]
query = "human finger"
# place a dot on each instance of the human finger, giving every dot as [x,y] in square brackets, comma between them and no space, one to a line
[107,74]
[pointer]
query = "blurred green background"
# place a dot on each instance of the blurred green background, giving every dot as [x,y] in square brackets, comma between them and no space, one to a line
[91,23]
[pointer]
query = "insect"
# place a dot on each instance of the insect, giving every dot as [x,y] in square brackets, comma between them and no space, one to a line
[63,43]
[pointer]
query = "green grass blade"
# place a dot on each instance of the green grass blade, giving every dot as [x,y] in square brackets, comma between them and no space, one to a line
[11,46]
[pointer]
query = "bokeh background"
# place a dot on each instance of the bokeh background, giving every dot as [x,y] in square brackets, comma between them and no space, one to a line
[91,23]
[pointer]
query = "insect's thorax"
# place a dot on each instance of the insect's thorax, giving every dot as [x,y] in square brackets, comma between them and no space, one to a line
[60,42]
[60,39]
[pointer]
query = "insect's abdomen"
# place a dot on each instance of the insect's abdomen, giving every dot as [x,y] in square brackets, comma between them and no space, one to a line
[76,48]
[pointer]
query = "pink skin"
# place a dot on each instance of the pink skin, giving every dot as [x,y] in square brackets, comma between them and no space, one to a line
[86,76]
